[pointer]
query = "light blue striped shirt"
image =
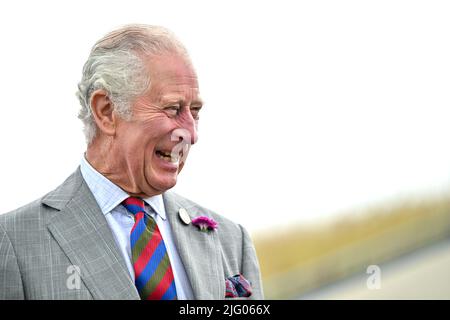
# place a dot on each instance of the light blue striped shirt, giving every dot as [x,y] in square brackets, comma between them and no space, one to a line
[109,198]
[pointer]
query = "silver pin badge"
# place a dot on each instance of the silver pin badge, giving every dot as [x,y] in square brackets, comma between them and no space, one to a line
[184,216]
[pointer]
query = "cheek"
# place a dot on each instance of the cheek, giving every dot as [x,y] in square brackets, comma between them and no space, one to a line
[158,129]
[157,133]
[135,141]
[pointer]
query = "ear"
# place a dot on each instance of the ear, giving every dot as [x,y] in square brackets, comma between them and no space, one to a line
[103,112]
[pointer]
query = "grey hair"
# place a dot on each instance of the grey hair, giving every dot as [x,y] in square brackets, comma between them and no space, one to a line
[115,65]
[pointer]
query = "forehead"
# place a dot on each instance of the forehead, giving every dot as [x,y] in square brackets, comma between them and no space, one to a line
[171,67]
[172,77]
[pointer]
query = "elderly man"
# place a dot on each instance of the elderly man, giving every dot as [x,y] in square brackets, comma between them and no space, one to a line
[112,230]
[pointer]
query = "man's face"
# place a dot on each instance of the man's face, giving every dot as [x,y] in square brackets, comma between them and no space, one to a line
[167,112]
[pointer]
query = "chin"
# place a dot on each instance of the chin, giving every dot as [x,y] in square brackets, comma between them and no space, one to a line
[164,184]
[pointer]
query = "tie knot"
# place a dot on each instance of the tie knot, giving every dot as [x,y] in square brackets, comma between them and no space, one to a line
[134,205]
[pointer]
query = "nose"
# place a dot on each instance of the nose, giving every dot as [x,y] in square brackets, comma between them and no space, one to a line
[191,126]
[188,132]
[194,134]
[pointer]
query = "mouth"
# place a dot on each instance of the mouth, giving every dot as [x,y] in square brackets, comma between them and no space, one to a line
[168,156]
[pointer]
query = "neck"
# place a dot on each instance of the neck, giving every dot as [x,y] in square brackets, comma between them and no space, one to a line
[108,159]
[97,154]
[102,156]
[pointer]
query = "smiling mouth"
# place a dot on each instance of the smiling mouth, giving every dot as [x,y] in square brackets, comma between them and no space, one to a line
[169,156]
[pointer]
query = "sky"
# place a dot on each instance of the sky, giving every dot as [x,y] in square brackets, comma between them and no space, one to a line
[312,108]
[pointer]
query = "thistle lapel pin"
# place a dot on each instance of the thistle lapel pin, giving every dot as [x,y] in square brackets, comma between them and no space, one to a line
[205,224]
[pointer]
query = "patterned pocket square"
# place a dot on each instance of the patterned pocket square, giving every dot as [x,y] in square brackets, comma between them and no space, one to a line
[237,286]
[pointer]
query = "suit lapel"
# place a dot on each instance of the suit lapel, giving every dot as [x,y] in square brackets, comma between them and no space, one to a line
[199,251]
[83,233]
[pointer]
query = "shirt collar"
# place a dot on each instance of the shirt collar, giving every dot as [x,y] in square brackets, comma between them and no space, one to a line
[157,204]
[108,195]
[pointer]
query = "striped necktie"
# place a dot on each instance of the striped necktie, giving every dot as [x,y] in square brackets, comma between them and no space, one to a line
[152,269]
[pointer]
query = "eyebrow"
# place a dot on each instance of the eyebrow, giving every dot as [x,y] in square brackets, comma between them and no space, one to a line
[177,99]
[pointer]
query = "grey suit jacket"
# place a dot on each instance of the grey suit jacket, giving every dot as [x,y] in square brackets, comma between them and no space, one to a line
[42,241]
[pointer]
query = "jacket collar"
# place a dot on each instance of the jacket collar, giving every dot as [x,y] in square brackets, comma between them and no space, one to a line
[82,232]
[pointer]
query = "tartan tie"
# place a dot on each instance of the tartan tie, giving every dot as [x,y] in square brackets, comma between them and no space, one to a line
[152,269]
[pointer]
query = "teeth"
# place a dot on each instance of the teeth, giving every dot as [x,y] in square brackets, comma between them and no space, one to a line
[167,157]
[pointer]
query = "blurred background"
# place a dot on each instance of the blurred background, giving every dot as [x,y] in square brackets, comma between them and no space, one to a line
[325,129]
[407,242]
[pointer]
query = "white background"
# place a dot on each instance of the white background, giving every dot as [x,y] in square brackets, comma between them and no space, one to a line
[312,108]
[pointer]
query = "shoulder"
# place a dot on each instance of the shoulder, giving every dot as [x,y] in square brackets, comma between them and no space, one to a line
[22,217]
[36,214]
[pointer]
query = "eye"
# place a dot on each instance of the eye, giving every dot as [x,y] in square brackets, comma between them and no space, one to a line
[195,112]
[172,110]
